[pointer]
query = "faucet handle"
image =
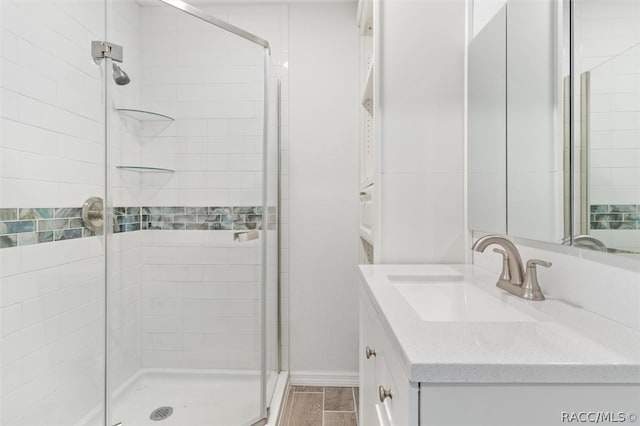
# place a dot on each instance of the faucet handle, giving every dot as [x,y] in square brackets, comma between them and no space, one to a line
[531,263]
[505,275]
[531,288]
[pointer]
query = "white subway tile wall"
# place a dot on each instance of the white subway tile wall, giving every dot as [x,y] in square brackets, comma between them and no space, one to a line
[201,301]
[52,331]
[212,83]
[52,103]
[52,151]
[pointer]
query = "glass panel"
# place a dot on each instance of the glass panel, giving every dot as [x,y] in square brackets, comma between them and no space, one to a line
[271,207]
[186,327]
[52,268]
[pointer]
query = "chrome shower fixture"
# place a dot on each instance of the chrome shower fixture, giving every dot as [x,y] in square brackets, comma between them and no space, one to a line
[103,49]
[119,76]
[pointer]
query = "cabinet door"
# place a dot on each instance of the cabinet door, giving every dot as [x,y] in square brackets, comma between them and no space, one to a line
[401,408]
[368,387]
[383,369]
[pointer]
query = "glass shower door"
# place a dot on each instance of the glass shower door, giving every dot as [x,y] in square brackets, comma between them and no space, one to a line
[190,220]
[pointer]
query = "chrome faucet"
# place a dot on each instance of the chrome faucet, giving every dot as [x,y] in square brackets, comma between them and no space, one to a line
[510,254]
[588,241]
[513,278]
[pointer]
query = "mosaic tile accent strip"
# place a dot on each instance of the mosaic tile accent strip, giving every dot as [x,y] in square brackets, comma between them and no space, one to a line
[126,219]
[202,218]
[27,226]
[615,216]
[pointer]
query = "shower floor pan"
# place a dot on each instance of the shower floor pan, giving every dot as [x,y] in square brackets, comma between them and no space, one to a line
[198,398]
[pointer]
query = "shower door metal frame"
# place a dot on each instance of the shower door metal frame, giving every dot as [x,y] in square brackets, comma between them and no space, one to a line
[194,11]
[265,160]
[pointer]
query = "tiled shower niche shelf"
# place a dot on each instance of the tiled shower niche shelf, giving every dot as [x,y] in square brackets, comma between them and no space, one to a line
[142,169]
[146,123]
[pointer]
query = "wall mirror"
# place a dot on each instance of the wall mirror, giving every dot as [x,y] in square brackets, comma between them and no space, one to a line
[607,125]
[528,131]
[518,116]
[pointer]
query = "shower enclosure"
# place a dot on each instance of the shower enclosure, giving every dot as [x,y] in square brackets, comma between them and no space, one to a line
[138,213]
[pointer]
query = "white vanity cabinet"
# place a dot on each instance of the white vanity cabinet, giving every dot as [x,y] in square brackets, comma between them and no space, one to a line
[480,374]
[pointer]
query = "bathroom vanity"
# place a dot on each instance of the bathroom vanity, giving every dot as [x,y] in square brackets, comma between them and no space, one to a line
[441,345]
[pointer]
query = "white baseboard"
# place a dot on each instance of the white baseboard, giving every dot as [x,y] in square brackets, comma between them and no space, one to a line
[310,378]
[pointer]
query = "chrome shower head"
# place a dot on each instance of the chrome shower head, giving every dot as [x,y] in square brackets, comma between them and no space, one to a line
[119,76]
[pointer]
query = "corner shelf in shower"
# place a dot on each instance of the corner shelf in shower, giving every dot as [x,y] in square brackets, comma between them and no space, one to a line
[142,169]
[146,123]
[144,116]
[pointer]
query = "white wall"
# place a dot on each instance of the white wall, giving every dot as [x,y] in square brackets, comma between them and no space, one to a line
[323,150]
[421,119]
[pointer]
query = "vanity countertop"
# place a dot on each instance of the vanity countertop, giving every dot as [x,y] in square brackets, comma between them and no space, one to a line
[541,342]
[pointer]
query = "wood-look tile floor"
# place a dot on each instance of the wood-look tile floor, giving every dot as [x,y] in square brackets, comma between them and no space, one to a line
[320,406]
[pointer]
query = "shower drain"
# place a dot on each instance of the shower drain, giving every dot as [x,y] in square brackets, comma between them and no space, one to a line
[161,413]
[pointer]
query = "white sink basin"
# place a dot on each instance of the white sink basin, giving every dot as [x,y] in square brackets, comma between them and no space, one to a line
[448,298]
